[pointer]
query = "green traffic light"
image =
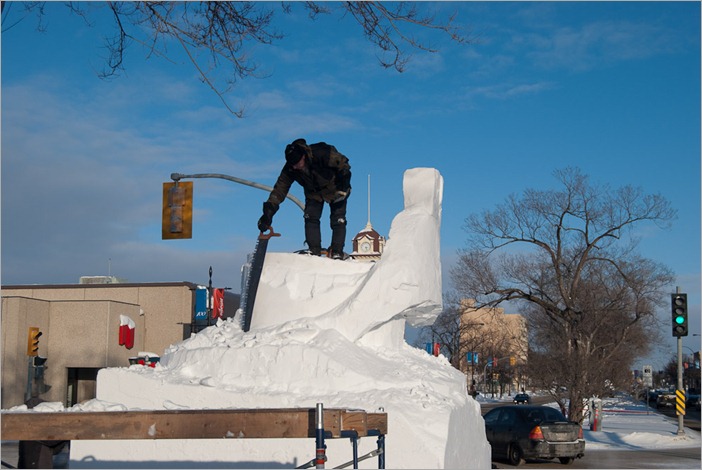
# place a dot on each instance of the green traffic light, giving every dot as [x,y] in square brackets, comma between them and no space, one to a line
[679,311]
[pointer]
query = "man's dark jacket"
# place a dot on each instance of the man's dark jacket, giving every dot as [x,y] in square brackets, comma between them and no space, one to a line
[327,171]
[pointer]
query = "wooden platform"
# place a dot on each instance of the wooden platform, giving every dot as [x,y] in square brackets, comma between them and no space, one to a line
[189,424]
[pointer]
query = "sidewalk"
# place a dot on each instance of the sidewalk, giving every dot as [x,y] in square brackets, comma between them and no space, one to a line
[627,425]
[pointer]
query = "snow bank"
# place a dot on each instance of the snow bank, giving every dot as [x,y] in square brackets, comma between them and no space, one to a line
[323,331]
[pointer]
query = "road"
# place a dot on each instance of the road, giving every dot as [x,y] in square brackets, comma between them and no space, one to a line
[688,457]
[691,420]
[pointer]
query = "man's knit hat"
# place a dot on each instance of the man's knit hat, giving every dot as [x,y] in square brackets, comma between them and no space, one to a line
[296,150]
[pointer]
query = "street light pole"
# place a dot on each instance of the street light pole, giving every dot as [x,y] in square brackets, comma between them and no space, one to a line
[179,176]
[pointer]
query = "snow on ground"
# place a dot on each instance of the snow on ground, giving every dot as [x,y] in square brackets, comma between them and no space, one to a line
[630,425]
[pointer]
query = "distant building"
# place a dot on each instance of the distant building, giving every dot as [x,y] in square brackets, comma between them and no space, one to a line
[497,348]
[81,331]
[101,280]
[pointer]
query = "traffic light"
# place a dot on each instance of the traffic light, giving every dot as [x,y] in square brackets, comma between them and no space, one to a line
[177,210]
[679,307]
[39,361]
[33,341]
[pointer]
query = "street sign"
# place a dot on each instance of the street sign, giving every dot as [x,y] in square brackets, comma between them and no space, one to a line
[680,402]
[648,376]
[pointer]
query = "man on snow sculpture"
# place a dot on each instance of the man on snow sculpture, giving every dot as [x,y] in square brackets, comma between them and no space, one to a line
[325,175]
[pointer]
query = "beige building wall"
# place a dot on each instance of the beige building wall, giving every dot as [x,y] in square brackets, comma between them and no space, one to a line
[18,314]
[80,331]
[166,307]
[75,334]
[492,332]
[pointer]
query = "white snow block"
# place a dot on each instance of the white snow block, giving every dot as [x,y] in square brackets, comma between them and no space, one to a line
[360,298]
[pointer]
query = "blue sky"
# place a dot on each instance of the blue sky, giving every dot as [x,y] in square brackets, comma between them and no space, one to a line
[613,88]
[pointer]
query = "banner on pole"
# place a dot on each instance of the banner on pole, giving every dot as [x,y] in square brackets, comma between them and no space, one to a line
[217,303]
[201,305]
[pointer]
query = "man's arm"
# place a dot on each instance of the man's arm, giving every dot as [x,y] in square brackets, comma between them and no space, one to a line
[281,188]
[276,197]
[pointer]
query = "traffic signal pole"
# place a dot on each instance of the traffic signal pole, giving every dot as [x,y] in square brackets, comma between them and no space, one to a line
[179,176]
[681,418]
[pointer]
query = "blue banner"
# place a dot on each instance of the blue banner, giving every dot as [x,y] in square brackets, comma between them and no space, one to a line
[201,305]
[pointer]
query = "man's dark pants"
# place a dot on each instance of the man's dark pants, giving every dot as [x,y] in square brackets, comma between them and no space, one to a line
[337,222]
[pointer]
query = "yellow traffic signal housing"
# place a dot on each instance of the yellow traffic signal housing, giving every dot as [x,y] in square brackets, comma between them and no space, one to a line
[512,360]
[33,341]
[177,212]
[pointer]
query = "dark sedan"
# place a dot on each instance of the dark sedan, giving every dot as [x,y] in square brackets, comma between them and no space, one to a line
[520,432]
[522,398]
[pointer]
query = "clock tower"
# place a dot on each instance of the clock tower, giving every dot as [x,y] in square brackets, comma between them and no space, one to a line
[368,244]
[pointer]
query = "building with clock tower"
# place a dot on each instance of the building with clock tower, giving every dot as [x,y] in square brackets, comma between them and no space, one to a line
[368,244]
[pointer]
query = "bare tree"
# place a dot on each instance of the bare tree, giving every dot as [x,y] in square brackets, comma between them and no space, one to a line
[568,257]
[217,33]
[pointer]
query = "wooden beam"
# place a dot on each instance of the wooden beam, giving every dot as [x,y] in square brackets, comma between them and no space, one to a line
[377,422]
[186,424]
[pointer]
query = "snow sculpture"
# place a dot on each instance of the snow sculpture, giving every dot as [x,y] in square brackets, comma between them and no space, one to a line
[323,331]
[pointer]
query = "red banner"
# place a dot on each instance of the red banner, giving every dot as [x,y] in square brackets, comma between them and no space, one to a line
[126,331]
[217,303]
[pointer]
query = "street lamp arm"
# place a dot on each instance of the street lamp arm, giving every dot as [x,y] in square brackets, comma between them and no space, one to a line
[179,176]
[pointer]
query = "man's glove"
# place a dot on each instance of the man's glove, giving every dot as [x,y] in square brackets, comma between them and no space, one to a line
[269,210]
[341,195]
[264,223]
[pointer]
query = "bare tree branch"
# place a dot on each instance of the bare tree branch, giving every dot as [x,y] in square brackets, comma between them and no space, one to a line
[216,34]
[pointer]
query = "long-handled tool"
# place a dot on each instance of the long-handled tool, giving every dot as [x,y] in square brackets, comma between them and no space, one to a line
[254,275]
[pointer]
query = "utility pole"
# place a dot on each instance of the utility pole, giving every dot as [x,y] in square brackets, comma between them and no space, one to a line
[210,300]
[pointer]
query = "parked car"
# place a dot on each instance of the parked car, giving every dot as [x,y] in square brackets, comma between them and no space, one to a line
[520,432]
[653,396]
[692,401]
[666,399]
[522,399]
